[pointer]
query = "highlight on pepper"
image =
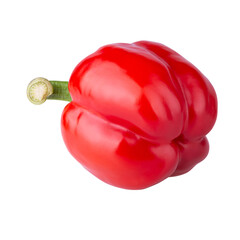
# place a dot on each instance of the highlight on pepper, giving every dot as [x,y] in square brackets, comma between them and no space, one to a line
[137,113]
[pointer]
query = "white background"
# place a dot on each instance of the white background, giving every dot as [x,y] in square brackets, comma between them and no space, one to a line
[44,192]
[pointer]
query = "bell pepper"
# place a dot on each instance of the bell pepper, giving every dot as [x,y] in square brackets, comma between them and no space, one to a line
[138,113]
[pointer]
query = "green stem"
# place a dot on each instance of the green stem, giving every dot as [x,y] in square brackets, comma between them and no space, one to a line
[60,91]
[40,89]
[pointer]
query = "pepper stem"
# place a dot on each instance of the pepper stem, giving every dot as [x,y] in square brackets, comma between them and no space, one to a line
[40,89]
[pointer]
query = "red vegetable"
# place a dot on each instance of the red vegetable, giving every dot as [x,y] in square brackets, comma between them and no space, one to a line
[139,114]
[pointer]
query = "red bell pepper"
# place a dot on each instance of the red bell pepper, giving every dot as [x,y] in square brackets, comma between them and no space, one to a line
[139,113]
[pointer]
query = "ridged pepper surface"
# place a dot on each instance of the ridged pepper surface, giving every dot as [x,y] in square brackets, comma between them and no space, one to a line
[139,113]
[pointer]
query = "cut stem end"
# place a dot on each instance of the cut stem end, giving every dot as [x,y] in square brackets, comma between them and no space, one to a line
[38,90]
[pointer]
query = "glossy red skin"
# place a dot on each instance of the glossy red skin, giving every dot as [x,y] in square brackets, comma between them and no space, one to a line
[139,114]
